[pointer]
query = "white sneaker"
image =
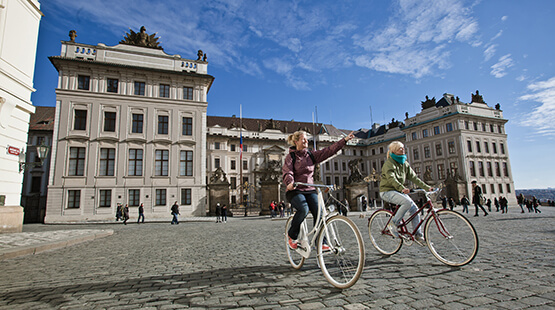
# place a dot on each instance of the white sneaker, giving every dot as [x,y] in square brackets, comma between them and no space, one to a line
[420,240]
[393,229]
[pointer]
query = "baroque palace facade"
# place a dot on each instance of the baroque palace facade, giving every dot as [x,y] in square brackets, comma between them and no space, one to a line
[131,127]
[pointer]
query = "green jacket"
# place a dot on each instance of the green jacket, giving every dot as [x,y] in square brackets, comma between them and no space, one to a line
[394,175]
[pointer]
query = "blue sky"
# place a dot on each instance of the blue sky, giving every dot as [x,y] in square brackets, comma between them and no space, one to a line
[284,59]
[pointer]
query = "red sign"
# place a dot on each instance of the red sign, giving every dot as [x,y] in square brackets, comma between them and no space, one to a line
[13,150]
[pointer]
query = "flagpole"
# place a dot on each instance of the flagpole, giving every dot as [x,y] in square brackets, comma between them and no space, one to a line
[241,153]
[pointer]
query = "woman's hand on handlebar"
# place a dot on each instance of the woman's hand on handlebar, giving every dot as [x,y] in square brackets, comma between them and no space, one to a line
[405,190]
[290,187]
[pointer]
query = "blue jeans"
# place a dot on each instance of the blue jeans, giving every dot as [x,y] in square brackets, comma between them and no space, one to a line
[141,215]
[175,220]
[302,203]
[405,204]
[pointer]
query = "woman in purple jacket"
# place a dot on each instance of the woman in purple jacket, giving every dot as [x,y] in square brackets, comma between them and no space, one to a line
[301,169]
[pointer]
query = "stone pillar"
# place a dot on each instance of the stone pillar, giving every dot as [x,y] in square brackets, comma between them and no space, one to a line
[354,190]
[217,193]
[269,192]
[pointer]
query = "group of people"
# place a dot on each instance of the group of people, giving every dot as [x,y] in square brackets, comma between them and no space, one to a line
[531,204]
[221,213]
[122,212]
[279,207]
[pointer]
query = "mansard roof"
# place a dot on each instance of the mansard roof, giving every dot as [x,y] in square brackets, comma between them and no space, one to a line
[42,119]
[260,125]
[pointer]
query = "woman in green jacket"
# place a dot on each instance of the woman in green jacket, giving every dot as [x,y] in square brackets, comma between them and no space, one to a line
[395,171]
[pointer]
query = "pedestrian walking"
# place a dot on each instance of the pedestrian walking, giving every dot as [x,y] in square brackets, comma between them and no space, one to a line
[119,212]
[465,202]
[175,213]
[536,204]
[141,213]
[451,203]
[520,200]
[504,204]
[496,203]
[477,198]
[218,213]
[125,214]
[282,209]
[488,203]
[364,204]
[444,202]
[224,213]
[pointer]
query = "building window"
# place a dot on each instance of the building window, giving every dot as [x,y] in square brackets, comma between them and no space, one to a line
[186,163]
[449,127]
[245,182]
[466,125]
[508,188]
[135,162]
[500,188]
[492,188]
[491,128]
[484,189]
[505,170]
[187,129]
[381,149]
[472,169]
[216,163]
[161,159]
[84,82]
[336,181]
[76,161]
[451,147]
[475,126]
[441,171]
[112,85]
[374,150]
[36,183]
[486,147]
[335,166]
[110,121]
[327,166]
[344,166]
[80,122]
[500,128]
[245,165]
[160,197]
[469,144]
[478,148]
[233,164]
[139,88]
[245,148]
[415,154]
[497,169]
[328,180]
[424,133]
[481,168]
[134,197]
[490,169]
[73,198]
[164,90]
[233,199]
[494,146]
[188,93]
[483,127]
[232,147]
[439,149]
[417,170]
[107,161]
[162,124]
[502,148]
[454,168]
[137,123]
[436,130]
[427,152]
[105,198]
[186,196]
[216,145]
[233,181]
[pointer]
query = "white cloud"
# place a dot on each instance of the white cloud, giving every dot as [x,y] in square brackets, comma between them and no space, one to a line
[497,35]
[489,52]
[504,18]
[499,69]
[542,117]
[412,43]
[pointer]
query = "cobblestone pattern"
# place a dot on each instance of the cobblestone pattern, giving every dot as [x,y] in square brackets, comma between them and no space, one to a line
[242,264]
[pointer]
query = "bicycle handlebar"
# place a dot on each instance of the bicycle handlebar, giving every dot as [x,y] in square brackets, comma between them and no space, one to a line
[436,190]
[332,187]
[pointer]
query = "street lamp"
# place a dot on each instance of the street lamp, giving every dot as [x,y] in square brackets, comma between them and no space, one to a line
[42,151]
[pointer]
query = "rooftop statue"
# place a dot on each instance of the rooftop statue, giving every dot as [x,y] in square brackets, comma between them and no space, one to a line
[141,39]
[477,98]
[429,103]
[72,35]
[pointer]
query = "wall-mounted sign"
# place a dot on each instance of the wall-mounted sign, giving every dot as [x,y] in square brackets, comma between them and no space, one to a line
[13,150]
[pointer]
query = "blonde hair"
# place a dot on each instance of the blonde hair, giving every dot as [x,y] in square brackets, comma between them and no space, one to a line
[393,147]
[295,137]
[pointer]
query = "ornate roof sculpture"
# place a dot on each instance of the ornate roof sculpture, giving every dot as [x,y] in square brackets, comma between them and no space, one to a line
[141,38]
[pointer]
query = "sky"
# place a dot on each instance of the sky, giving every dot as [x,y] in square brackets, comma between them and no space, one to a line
[347,63]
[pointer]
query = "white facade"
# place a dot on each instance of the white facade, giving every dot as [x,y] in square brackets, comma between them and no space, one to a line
[130,128]
[19,27]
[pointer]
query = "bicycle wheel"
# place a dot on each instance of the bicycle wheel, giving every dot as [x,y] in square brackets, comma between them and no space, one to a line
[296,259]
[343,263]
[380,236]
[451,238]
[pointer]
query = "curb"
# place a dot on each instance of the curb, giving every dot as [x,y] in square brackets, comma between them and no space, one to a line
[35,249]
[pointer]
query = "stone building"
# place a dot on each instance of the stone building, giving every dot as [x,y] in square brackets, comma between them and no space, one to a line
[19,20]
[35,180]
[130,128]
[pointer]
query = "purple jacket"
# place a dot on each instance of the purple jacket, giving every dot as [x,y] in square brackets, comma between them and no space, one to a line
[304,167]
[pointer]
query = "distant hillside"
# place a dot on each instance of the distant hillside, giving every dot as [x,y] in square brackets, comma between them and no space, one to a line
[541,194]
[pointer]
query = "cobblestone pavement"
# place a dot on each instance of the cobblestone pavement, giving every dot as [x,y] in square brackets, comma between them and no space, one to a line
[242,264]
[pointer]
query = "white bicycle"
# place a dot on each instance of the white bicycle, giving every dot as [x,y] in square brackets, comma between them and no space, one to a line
[343,263]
